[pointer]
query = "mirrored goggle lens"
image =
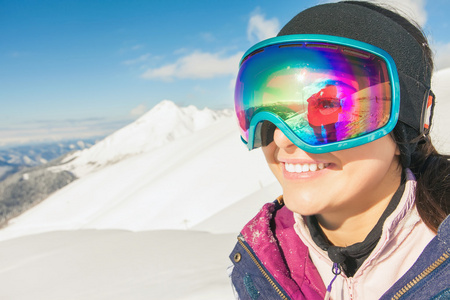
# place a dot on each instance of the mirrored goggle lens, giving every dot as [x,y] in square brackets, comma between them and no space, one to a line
[323,92]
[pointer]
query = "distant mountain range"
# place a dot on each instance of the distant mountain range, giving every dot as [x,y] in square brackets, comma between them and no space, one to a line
[24,176]
[16,158]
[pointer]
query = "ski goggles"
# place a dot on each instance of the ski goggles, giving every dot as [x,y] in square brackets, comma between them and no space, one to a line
[325,93]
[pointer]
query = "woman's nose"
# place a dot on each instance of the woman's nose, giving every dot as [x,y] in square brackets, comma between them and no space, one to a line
[281,140]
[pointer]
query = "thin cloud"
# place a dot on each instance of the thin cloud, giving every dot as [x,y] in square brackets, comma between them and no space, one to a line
[138,110]
[137,47]
[55,130]
[442,56]
[232,84]
[208,36]
[18,54]
[165,73]
[259,28]
[130,48]
[197,65]
[140,59]
[181,51]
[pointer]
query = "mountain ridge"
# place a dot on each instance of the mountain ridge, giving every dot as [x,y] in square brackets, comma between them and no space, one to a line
[161,125]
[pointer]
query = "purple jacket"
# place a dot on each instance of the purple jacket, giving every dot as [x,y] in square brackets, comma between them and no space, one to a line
[274,268]
[271,262]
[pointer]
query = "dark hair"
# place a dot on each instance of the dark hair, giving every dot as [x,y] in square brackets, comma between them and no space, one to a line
[432,170]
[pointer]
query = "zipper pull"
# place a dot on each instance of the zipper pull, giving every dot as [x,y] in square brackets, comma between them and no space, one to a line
[336,269]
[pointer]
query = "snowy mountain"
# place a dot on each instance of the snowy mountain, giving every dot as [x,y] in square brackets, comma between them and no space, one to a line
[163,124]
[171,169]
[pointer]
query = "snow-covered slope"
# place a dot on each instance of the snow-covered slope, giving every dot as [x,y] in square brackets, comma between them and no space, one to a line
[440,130]
[117,265]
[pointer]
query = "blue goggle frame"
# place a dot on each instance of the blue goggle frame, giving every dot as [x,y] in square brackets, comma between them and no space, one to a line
[258,118]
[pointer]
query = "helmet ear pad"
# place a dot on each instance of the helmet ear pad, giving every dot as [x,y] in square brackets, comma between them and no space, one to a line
[267,131]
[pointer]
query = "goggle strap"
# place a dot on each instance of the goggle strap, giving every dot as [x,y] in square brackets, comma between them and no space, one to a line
[416,114]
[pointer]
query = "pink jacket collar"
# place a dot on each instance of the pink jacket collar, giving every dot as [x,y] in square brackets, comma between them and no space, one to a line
[283,253]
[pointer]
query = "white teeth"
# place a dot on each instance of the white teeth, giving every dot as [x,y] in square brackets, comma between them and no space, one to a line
[290,168]
[305,168]
[302,168]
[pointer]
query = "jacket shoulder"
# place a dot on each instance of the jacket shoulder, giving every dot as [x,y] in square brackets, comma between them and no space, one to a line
[429,277]
[249,276]
[267,250]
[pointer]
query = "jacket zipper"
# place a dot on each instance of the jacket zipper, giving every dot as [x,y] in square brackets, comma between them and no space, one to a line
[422,275]
[272,283]
[351,287]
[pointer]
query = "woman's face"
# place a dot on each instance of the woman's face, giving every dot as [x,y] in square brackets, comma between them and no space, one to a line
[344,183]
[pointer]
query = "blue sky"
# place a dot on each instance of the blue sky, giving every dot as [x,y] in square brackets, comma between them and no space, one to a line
[85,68]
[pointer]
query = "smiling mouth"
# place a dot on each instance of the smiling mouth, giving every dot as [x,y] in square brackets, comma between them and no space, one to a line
[303,168]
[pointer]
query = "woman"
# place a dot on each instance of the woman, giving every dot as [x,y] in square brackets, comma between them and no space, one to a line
[324,108]
[363,215]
